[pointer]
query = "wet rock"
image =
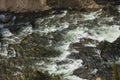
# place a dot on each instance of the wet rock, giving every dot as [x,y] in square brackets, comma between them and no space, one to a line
[85,73]
[110,51]
[104,71]
[35,45]
[93,63]
[28,17]
[104,2]
[62,62]
[96,59]
[88,55]
[56,36]
[6,18]
[17,28]
[78,4]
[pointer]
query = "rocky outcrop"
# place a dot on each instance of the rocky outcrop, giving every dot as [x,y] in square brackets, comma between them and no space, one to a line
[104,2]
[23,5]
[41,5]
[74,4]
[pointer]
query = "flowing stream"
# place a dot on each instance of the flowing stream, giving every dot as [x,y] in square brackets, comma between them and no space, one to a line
[62,30]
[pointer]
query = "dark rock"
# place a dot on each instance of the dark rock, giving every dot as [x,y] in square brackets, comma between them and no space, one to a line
[88,72]
[35,45]
[105,72]
[104,2]
[63,62]
[17,28]
[6,18]
[87,53]
[110,51]
[85,72]
[78,4]
[95,58]
[42,5]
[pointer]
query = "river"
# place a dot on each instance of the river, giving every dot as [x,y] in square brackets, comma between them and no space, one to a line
[67,35]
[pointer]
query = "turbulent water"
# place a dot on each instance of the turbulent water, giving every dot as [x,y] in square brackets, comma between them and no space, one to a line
[62,30]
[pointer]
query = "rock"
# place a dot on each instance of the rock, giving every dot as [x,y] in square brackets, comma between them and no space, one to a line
[96,59]
[6,18]
[42,5]
[90,73]
[93,64]
[23,5]
[104,2]
[98,78]
[34,46]
[78,4]
[17,28]
[110,51]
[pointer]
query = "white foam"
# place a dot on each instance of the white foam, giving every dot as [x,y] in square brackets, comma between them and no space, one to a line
[18,38]
[25,32]
[108,33]
[118,7]
[92,15]
[5,32]
[76,34]
[90,45]
[73,77]
[47,29]
[68,68]
[3,49]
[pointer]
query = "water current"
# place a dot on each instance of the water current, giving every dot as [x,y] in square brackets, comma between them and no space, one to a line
[61,31]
